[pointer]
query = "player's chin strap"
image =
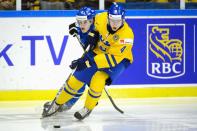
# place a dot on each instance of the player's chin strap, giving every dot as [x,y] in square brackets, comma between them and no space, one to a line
[107,93]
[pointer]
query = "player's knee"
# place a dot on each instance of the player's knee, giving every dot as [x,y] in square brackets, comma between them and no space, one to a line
[101,75]
[98,80]
[74,83]
[72,86]
[94,94]
[70,90]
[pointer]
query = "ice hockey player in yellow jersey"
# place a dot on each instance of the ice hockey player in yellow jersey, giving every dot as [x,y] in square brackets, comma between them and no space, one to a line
[111,56]
[116,40]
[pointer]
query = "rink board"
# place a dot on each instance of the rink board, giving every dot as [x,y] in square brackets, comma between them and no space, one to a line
[10,95]
[36,45]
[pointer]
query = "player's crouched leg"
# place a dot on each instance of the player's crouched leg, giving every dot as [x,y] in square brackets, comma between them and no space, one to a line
[94,93]
[70,90]
[50,108]
[68,105]
[93,97]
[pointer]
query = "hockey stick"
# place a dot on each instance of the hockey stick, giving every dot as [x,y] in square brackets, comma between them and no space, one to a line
[112,101]
[108,95]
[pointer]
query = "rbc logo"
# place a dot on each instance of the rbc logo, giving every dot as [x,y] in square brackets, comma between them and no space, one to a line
[165,50]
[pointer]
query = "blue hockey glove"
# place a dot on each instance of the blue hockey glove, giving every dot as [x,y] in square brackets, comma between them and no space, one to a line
[92,39]
[108,81]
[80,64]
[83,65]
[73,29]
[74,64]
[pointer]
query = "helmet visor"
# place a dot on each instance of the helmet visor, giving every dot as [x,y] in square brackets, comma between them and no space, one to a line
[81,17]
[115,17]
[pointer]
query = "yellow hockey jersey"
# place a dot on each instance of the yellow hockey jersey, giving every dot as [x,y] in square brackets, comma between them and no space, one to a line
[112,48]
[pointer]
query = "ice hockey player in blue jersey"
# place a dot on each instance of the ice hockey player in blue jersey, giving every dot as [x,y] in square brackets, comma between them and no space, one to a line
[85,24]
[80,29]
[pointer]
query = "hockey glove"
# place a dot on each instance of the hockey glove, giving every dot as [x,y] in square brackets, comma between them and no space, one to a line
[80,64]
[73,29]
[92,39]
[108,81]
[74,64]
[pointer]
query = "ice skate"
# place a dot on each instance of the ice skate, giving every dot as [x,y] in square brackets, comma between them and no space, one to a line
[84,112]
[65,107]
[50,108]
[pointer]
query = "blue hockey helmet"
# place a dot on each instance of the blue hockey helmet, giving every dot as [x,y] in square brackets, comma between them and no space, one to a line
[85,13]
[116,12]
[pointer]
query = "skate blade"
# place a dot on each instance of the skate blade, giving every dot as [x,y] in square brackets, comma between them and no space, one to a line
[45,114]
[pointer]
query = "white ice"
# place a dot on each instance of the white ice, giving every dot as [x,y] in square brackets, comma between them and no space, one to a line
[147,114]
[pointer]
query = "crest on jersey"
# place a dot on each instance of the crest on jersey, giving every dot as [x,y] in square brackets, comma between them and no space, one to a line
[165,50]
[116,37]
